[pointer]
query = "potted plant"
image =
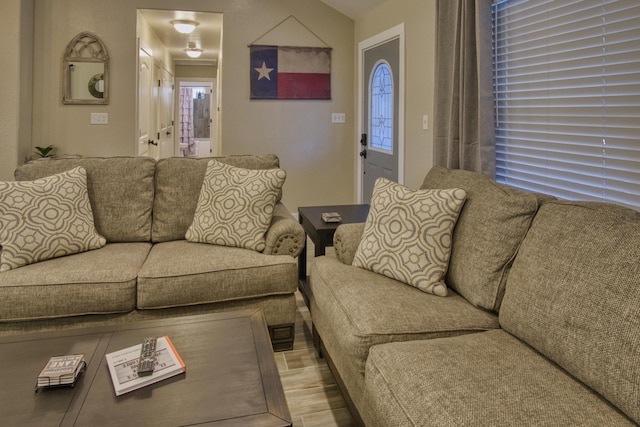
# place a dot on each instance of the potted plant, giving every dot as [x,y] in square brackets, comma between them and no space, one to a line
[44,152]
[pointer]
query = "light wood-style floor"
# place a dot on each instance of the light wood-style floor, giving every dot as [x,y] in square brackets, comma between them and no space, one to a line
[313,396]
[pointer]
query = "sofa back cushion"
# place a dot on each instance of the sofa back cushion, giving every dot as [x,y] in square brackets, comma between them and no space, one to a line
[490,228]
[573,294]
[178,184]
[120,191]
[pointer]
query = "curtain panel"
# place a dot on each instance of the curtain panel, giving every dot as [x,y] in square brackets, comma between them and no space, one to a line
[186,120]
[463,99]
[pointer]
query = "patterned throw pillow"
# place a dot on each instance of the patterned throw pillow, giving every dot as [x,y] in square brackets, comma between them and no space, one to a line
[235,206]
[46,218]
[407,235]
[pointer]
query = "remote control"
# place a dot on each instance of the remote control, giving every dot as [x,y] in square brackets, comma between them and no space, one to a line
[147,357]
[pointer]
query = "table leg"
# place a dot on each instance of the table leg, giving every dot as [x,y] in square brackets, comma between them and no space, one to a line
[302,261]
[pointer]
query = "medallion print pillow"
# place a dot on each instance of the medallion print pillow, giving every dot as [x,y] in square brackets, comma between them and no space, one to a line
[235,206]
[407,235]
[46,218]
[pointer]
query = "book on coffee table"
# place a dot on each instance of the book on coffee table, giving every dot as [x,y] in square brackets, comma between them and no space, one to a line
[123,366]
[61,371]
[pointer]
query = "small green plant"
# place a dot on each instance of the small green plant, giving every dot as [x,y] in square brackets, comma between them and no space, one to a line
[45,151]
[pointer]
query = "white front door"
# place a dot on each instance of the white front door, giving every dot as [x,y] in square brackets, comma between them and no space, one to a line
[382,121]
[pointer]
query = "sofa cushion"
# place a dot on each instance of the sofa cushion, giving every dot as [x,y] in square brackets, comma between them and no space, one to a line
[574,295]
[175,200]
[120,191]
[389,311]
[235,206]
[95,282]
[46,218]
[179,273]
[407,235]
[490,378]
[490,228]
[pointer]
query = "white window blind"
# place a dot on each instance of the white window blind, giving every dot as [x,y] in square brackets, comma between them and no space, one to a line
[567,97]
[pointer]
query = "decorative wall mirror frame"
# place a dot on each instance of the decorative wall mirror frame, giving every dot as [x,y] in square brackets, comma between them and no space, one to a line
[85,71]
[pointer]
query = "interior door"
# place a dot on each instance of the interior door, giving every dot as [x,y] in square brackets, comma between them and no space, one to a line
[154,111]
[145,84]
[380,115]
[165,114]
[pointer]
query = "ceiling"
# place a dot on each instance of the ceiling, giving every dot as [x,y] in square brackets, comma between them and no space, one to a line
[354,9]
[207,35]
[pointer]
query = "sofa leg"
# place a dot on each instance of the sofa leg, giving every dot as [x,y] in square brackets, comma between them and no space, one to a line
[282,336]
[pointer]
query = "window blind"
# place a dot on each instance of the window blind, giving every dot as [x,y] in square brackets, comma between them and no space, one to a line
[567,97]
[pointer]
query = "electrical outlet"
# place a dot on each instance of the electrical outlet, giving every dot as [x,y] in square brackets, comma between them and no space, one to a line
[99,118]
[338,118]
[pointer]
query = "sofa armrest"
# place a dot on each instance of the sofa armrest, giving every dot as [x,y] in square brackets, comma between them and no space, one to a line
[346,241]
[285,235]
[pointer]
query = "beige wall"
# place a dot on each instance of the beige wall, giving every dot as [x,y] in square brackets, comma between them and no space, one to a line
[317,155]
[149,40]
[16,33]
[197,71]
[419,21]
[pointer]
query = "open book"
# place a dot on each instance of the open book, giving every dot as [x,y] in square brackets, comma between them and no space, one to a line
[123,366]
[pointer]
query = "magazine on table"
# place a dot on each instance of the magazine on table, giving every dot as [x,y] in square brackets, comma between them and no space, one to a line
[123,365]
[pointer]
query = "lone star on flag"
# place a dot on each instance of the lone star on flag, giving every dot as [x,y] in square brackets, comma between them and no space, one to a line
[264,71]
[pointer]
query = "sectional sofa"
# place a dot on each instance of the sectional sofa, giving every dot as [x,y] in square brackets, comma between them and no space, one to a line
[540,325]
[143,209]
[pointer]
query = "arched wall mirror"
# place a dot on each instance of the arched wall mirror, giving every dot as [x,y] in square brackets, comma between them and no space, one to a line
[85,71]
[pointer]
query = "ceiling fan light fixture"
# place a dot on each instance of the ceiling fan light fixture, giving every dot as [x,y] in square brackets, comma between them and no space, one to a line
[184,26]
[193,51]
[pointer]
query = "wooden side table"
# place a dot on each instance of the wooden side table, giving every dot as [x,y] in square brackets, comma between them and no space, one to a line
[321,234]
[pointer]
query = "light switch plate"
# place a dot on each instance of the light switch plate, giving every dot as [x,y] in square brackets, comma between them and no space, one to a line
[99,118]
[338,118]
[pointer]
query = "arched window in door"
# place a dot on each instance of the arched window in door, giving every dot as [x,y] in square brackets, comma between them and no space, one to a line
[381,108]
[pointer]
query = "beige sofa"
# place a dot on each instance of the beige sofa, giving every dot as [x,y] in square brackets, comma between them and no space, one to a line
[541,325]
[147,269]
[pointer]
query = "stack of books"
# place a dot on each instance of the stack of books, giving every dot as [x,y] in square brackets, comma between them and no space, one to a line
[61,371]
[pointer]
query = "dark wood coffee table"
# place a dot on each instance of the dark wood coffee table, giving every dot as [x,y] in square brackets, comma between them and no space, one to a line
[231,377]
[321,234]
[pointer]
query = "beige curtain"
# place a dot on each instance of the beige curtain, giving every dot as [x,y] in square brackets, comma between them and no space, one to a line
[463,100]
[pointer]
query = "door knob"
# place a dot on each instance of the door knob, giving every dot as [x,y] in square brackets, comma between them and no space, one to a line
[152,142]
[363,154]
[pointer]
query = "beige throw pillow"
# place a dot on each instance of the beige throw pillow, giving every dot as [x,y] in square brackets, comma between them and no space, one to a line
[407,235]
[46,218]
[235,206]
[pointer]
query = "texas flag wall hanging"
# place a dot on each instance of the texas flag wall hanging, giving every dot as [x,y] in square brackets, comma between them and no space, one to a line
[284,72]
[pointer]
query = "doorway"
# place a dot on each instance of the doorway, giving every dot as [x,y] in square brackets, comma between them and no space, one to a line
[381,110]
[196,101]
[170,54]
